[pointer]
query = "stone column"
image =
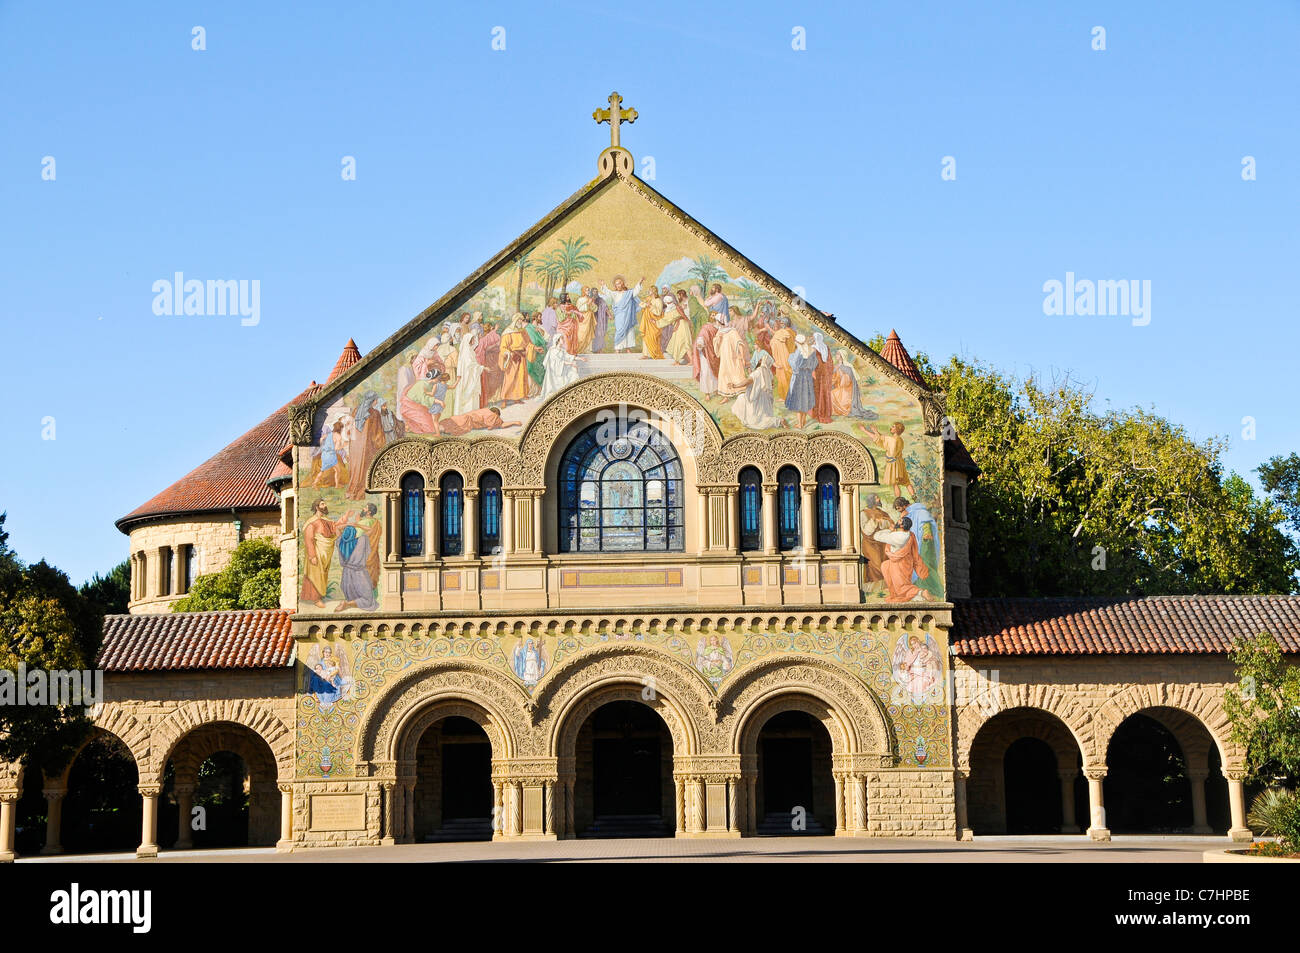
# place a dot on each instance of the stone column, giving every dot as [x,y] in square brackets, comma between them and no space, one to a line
[1097,828]
[733,521]
[702,518]
[507,525]
[390,814]
[53,820]
[393,523]
[537,523]
[860,803]
[517,808]
[769,519]
[148,848]
[548,816]
[469,523]
[8,823]
[808,520]
[1196,779]
[679,785]
[185,806]
[1239,832]
[498,811]
[695,824]
[286,818]
[839,803]
[408,802]
[431,498]
[848,538]
[1067,776]
[733,806]
[964,831]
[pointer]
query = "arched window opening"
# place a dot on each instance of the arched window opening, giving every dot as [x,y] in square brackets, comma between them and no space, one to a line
[412,514]
[451,521]
[828,508]
[787,506]
[489,514]
[751,510]
[621,491]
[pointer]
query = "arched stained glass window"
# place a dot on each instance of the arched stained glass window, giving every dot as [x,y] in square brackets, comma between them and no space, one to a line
[489,514]
[828,508]
[787,509]
[450,531]
[412,514]
[751,510]
[621,491]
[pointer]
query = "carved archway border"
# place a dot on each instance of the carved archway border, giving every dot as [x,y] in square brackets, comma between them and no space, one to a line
[387,723]
[865,720]
[407,735]
[258,718]
[750,726]
[1069,710]
[1193,700]
[1039,723]
[203,742]
[613,389]
[587,680]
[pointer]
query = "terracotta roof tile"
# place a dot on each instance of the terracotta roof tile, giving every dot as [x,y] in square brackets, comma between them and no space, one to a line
[236,477]
[957,457]
[1148,625]
[236,639]
[896,354]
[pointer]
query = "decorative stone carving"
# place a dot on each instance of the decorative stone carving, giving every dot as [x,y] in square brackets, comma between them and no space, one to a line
[399,458]
[192,715]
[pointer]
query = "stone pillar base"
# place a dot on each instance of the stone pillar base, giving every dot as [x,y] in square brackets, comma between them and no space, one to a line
[966,834]
[1100,834]
[51,850]
[387,842]
[146,853]
[1240,835]
[283,846]
[7,856]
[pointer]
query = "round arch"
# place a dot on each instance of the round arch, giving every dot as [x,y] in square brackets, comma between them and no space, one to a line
[1070,712]
[1193,701]
[259,719]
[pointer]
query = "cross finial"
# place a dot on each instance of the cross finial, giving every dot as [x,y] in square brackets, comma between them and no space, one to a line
[614,115]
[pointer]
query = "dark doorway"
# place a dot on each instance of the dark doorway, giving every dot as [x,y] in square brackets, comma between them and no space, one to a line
[796,790]
[102,809]
[1146,788]
[222,792]
[1032,788]
[625,768]
[453,786]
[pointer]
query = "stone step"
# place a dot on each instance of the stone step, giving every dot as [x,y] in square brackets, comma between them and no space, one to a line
[628,825]
[462,829]
[778,825]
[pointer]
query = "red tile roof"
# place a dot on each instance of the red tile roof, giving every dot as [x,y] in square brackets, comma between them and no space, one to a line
[957,457]
[1149,625]
[896,354]
[236,478]
[242,638]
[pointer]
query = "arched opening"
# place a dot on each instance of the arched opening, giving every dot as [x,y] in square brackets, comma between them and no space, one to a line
[828,508]
[751,510]
[1026,776]
[453,782]
[621,489]
[412,515]
[219,790]
[33,815]
[489,515]
[1033,790]
[1163,776]
[624,784]
[788,509]
[451,515]
[796,790]
[102,809]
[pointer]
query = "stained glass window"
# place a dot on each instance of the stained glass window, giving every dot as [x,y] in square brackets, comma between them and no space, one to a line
[751,510]
[621,491]
[828,508]
[453,502]
[489,519]
[412,514]
[787,509]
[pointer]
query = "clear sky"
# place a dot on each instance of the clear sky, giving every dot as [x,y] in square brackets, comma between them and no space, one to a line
[823,165]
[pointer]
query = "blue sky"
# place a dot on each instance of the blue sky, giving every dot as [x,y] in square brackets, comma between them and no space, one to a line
[822,165]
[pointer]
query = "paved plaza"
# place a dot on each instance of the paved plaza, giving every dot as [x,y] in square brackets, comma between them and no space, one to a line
[781,849]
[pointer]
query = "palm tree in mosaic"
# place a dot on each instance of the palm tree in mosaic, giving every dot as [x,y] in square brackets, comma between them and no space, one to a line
[750,293]
[549,269]
[574,259]
[522,264]
[706,271]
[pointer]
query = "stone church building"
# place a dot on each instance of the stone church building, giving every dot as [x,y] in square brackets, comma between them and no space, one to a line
[623,537]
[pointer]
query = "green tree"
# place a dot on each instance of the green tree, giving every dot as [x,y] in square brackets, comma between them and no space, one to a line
[1280,478]
[522,264]
[550,269]
[1263,710]
[111,593]
[250,581]
[706,271]
[573,259]
[44,624]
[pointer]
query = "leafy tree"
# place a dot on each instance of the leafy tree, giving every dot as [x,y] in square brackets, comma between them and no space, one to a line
[111,593]
[250,581]
[522,264]
[1280,478]
[1263,709]
[705,270]
[44,624]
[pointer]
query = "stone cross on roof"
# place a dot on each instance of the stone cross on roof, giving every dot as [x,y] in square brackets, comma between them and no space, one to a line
[614,115]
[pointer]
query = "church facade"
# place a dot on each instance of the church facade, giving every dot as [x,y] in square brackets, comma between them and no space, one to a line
[621,537]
